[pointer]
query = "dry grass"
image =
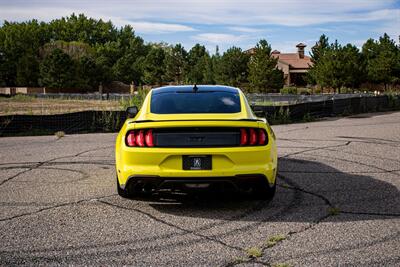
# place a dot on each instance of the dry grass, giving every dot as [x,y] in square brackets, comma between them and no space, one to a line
[59,134]
[254,252]
[37,106]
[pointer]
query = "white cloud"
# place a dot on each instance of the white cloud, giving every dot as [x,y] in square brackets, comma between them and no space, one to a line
[149,27]
[244,21]
[219,38]
[245,29]
[152,27]
[228,12]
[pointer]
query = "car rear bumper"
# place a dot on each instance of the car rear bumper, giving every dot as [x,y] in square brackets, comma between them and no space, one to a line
[234,183]
[150,163]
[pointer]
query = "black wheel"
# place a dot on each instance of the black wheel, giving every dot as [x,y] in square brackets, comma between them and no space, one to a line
[264,191]
[122,192]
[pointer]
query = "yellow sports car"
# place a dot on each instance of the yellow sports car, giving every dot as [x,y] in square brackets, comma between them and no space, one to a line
[195,138]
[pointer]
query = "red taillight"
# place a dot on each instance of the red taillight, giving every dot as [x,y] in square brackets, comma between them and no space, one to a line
[262,137]
[140,138]
[130,139]
[243,137]
[149,138]
[145,137]
[253,137]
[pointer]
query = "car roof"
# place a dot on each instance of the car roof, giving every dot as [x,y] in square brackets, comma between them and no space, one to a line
[190,88]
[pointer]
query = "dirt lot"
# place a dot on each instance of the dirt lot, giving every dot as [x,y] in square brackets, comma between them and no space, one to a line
[337,204]
[39,106]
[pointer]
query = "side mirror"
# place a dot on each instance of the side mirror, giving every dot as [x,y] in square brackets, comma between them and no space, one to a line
[131,112]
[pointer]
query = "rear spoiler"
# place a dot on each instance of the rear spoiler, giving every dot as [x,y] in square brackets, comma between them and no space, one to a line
[141,121]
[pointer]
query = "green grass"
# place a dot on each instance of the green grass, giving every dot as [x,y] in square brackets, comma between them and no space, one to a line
[271,103]
[308,118]
[333,211]
[281,265]
[135,100]
[273,240]
[59,134]
[24,98]
[239,260]
[254,252]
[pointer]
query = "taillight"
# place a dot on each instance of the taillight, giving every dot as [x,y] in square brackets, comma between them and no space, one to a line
[253,136]
[262,137]
[130,139]
[149,138]
[243,137]
[140,138]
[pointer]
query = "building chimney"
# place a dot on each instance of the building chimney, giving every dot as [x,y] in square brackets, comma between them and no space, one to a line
[300,49]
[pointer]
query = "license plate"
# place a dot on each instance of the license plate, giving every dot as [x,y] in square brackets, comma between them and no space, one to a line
[196,162]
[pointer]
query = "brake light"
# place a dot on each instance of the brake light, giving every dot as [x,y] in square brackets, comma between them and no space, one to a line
[140,138]
[145,137]
[149,138]
[130,139]
[262,137]
[253,136]
[243,137]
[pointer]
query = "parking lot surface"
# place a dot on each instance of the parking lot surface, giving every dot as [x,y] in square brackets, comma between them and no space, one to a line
[337,203]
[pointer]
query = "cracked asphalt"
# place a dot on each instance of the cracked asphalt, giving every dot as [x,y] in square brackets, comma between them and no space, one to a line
[337,203]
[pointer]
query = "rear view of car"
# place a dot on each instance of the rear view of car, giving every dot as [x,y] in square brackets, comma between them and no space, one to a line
[195,138]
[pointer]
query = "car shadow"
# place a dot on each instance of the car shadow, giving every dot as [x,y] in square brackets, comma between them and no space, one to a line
[306,190]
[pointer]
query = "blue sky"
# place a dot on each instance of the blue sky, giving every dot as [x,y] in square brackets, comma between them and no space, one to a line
[283,23]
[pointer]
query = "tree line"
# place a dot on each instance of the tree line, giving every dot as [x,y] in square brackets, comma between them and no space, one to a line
[82,52]
[337,66]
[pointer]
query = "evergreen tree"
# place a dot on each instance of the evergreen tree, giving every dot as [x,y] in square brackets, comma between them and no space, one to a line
[196,68]
[153,66]
[382,60]
[27,70]
[339,67]
[263,74]
[176,64]
[232,67]
[319,49]
[57,70]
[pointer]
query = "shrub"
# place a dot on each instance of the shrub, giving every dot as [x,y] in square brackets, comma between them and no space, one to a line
[288,91]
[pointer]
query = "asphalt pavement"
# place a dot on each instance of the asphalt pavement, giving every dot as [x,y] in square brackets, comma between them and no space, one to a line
[337,203]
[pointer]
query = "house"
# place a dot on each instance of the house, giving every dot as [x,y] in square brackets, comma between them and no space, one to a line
[294,65]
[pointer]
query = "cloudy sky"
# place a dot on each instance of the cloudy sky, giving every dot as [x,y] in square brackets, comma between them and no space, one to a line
[284,23]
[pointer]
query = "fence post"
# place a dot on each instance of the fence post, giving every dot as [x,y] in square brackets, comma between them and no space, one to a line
[132,88]
[101,90]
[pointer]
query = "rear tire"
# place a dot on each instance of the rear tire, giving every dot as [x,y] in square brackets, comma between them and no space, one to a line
[122,192]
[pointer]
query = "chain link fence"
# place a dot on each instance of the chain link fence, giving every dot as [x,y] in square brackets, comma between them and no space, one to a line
[111,121]
[253,98]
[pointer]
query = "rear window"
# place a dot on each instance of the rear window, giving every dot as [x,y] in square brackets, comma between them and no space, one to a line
[190,102]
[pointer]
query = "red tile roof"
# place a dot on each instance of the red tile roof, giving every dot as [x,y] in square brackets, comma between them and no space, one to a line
[294,60]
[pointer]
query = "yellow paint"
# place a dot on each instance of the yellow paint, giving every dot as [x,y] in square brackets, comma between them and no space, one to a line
[167,162]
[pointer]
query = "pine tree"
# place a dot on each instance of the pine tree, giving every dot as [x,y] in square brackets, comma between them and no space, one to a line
[153,66]
[263,74]
[232,67]
[382,60]
[176,64]
[57,70]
